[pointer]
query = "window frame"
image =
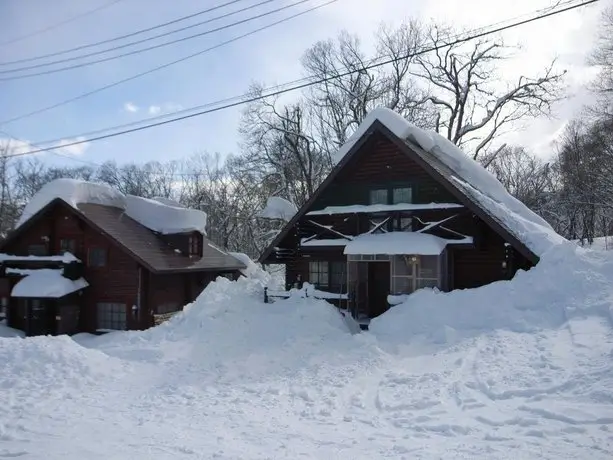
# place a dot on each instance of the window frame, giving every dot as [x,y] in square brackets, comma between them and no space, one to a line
[117,320]
[41,253]
[416,278]
[193,245]
[72,243]
[393,191]
[99,250]
[378,190]
[321,270]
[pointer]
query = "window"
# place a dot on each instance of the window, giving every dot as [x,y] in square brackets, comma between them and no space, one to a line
[410,272]
[111,316]
[378,196]
[68,245]
[338,276]
[96,257]
[37,250]
[402,195]
[194,245]
[318,274]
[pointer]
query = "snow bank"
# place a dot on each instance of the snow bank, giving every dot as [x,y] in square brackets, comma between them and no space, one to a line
[73,192]
[46,284]
[160,214]
[470,176]
[278,208]
[567,282]
[163,218]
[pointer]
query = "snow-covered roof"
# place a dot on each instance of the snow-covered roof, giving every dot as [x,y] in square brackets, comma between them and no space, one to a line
[400,243]
[163,218]
[160,215]
[372,208]
[470,177]
[47,284]
[65,258]
[278,208]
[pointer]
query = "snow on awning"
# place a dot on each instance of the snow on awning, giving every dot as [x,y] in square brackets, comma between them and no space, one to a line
[47,284]
[65,258]
[367,209]
[400,243]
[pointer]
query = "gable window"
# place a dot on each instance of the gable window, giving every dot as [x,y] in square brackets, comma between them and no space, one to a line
[194,245]
[68,245]
[318,274]
[111,316]
[402,195]
[378,196]
[37,250]
[96,257]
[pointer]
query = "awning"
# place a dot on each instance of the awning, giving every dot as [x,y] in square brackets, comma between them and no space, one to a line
[392,243]
[47,284]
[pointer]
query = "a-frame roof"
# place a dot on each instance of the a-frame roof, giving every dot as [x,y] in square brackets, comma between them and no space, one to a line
[136,240]
[463,177]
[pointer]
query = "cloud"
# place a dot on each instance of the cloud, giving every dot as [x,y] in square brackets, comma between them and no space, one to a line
[154,109]
[73,150]
[130,107]
[14,147]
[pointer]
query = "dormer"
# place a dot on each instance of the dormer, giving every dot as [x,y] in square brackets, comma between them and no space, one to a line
[187,244]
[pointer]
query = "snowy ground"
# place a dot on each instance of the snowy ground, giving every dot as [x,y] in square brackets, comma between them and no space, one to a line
[513,370]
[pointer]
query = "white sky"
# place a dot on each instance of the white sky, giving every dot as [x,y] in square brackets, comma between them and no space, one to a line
[270,57]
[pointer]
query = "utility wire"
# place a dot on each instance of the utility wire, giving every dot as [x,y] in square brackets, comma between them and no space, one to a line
[248,100]
[164,66]
[139,51]
[58,24]
[286,84]
[121,37]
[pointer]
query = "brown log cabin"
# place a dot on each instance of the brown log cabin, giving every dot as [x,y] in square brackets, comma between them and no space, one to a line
[91,268]
[388,220]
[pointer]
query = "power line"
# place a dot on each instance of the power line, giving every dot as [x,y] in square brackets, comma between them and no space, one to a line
[121,37]
[150,48]
[286,84]
[163,66]
[248,100]
[59,24]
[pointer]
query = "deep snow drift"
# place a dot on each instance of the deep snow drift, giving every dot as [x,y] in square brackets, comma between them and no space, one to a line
[160,215]
[520,369]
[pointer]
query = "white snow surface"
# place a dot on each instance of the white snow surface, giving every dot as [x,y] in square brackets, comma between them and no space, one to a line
[518,369]
[160,215]
[163,218]
[400,243]
[73,192]
[278,208]
[474,180]
[46,284]
[67,257]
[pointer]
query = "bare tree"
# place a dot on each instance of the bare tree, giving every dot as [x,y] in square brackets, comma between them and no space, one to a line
[602,57]
[473,108]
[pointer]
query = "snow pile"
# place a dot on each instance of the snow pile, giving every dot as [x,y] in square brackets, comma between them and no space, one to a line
[253,270]
[474,180]
[278,208]
[46,284]
[400,243]
[73,192]
[163,218]
[568,281]
[160,215]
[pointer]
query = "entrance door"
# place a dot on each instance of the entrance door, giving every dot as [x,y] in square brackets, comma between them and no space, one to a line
[40,317]
[378,288]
